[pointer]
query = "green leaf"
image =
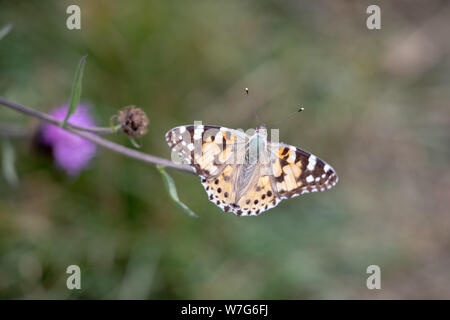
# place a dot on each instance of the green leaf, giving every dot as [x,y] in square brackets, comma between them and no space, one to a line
[8,167]
[135,144]
[76,90]
[5,30]
[170,185]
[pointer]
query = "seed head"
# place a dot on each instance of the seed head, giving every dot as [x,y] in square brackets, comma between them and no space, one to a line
[133,121]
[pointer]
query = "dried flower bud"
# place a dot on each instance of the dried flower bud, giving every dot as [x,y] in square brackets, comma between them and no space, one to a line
[133,121]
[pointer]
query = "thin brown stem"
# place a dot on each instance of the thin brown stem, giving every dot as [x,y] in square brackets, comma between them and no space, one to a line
[88,134]
[51,119]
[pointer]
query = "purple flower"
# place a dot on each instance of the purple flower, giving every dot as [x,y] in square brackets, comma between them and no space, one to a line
[72,153]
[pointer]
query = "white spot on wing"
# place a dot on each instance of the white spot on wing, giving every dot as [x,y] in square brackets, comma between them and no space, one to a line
[311,162]
[292,155]
[198,132]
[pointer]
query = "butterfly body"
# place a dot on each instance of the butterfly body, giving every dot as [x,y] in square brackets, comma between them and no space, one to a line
[245,173]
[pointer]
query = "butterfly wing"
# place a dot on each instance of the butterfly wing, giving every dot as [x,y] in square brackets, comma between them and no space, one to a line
[259,198]
[296,172]
[292,172]
[213,153]
[207,149]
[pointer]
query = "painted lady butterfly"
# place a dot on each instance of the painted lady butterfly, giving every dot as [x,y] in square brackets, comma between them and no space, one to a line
[245,173]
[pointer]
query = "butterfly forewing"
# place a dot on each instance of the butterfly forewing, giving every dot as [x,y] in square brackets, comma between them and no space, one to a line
[296,172]
[206,148]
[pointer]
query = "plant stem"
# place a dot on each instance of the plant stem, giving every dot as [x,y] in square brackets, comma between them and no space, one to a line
[88,134]
[51,119]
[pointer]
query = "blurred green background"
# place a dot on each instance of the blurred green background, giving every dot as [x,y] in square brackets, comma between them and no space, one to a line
[376,108]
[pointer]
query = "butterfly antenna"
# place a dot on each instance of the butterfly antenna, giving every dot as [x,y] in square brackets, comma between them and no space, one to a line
[289,116]
[254,109]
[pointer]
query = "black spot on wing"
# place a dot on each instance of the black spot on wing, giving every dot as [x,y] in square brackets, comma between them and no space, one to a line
[280,178]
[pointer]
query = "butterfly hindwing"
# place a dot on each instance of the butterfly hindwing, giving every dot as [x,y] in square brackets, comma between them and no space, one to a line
[257,200]
[220,191]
